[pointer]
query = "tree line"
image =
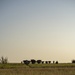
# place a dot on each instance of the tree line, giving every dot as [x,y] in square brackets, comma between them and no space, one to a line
[33,61]
[4,60]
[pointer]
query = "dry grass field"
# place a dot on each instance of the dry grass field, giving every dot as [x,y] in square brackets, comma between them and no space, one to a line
[37,69]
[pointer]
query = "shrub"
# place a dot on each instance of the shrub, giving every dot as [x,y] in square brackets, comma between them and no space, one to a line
[42,62]
[49,62]
[53,62]
[4,60]
[27,62]
[46,62]
[56,62]
[73,61]
[39,61]
[33,61]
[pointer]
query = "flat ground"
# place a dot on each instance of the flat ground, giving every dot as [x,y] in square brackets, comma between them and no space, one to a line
[37,69]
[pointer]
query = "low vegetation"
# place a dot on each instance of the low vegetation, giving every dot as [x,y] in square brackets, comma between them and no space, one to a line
[37,69]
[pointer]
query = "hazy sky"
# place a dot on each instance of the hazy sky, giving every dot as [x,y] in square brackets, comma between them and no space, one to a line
[37,29]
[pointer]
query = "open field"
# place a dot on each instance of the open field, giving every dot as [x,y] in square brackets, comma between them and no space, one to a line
[37,69]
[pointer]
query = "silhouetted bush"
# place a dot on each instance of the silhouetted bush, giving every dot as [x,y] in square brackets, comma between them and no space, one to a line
[33,61]
[42,62]
[53,62]
[73,61]
[49,62]
[4,60]
[56,62]
[27,62]
[46,62]
[39,61]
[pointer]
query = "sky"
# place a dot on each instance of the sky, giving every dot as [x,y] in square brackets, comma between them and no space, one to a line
[37,29]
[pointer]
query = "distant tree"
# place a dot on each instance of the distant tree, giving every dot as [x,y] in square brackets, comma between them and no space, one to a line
[73,61]
[39,61]
[4,60]
[49,62]
[46,62]
[27,62]
[53,62]
[33,61]
[56,62]
[42,62]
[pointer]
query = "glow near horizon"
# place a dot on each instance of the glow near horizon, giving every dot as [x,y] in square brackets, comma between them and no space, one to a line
[42,29]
